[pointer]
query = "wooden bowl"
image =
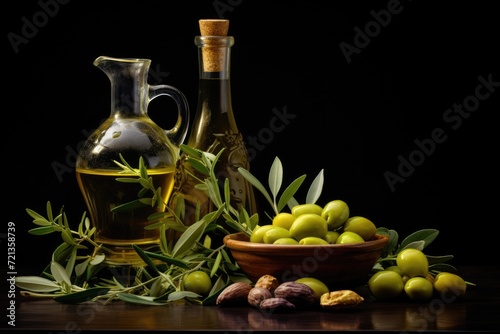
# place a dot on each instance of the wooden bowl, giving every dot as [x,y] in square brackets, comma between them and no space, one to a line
[337,265]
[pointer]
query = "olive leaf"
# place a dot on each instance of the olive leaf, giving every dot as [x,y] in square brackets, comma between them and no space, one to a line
[144,300]
[275,179]
[316,188]
[187,240]
[82,296]
[37,284]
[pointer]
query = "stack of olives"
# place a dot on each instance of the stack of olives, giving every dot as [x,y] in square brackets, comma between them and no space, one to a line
[311,224]
[410,277]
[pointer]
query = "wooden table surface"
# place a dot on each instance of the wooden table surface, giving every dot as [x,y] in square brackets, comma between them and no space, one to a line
[478,311]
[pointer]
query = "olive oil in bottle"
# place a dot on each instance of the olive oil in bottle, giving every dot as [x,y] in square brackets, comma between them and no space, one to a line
[214,126]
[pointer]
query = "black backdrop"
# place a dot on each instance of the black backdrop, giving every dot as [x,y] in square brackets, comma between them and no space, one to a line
[372,89]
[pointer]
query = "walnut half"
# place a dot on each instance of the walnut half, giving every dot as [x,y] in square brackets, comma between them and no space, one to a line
[340,299]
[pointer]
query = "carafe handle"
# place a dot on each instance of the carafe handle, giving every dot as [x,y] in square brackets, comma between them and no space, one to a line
[178,132]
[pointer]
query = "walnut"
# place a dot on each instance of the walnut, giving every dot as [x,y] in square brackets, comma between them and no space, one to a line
[340,299]
[268,282]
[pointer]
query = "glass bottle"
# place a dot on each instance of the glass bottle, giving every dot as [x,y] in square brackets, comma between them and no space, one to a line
[214,126]
[129,132]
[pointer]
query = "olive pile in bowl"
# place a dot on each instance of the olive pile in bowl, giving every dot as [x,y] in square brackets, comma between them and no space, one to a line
[311,241]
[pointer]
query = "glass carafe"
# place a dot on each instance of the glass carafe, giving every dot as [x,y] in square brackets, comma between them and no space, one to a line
[130,133]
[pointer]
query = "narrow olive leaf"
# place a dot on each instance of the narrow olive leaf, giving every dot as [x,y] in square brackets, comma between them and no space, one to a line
[433,259]
[87,222]
[218,259]
[419,244]
[275,178]
[292,202]
[227,194]
[36,284]
[97,259]
[178,295]
[426,235]
[290,191]
[41,222]
[41,230]
[168,260]
[188,239]
[127,180]
[130,206]
[70,265]
[49,211]
[438,267]
[144,257]
[200,167]
[35,215]
[59,273]
[135,299]
[190,151]
[142,168]
[66,235]
[316,188]
[62,252]
[82,296]
[256,183]
[81,267]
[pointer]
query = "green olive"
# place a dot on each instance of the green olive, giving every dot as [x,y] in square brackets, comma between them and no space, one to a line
[283,219]
[332,236]
[386,285]
[198,282]
[349,238]
[308,225]
[286,241]
[301,209]
[318,286]
[449,284]
[258,233]
[335,213]
[275,233]
[362,226]
[413,262]
[313,241]
[396,269]
[419,289]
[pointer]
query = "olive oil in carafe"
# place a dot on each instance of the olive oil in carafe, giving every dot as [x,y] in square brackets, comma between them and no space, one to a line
[119,230]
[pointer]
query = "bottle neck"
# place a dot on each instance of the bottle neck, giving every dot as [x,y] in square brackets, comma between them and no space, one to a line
[214,55]
[214,115]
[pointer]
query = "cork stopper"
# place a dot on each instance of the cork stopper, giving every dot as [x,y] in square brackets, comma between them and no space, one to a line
[213,57]
[214,27]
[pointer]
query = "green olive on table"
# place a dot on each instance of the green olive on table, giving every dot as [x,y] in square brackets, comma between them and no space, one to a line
[301,209]
[386,285]
[335,213]
[362,226]
[449,285]
[317,285]
[198,282]
[308,225]
[413,262]
[419,289]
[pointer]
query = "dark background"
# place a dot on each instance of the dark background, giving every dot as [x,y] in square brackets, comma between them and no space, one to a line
[356,120]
